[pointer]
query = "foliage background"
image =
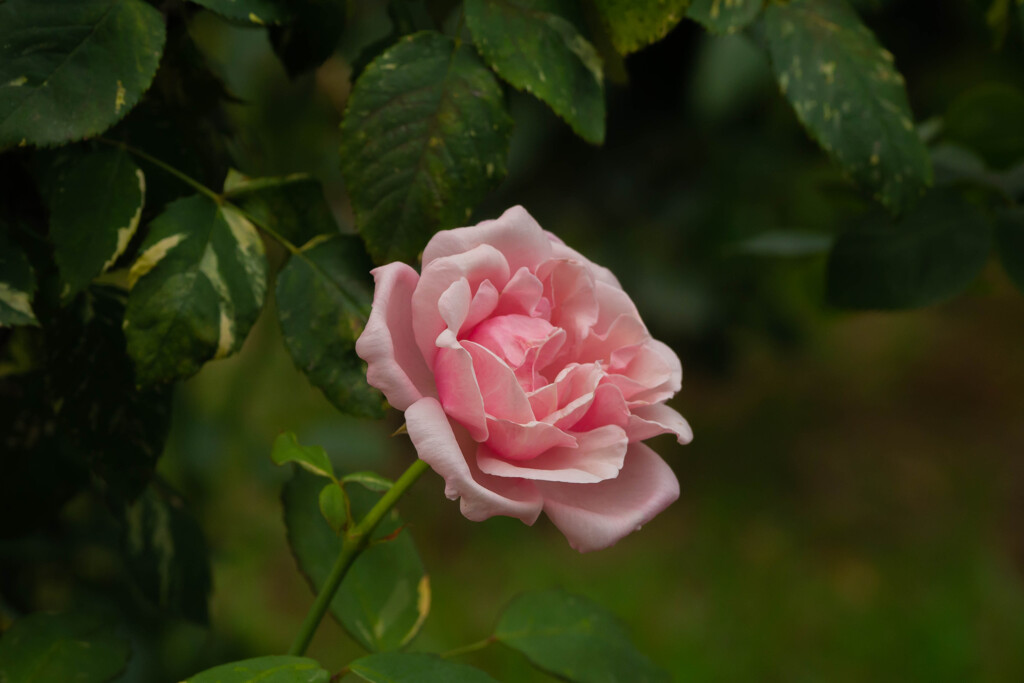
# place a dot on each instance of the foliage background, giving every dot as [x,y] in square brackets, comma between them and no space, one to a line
[852,501]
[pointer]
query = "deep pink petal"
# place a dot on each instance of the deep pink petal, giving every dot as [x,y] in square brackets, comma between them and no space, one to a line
[443,449]
[515,234]
[607,408]
[457,388]
[599,456]
[394,362]
[595,516]
[503,396]
[510,337]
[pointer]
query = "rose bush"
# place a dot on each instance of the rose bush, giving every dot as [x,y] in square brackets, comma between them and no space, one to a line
[527,379]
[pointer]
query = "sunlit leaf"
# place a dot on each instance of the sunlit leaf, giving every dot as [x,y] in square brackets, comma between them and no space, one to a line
[633,24]
[424,138]
[58,648]
[573,638]
[403,667]
[72,68]
[313,458]
[271,669]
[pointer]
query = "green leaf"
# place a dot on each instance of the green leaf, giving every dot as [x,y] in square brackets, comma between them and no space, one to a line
[725,16]
[533,45]
[313,458]
[424,138]
[989,120]
[311,36]
[332,506]
[633,24]
[198,287]
[258,12]
[95,200]
[370,480]
[573,638]
[404,667]
[784,243]
[166,554]
[17,284]
[293,206]
[323,300]
[271,669]
[847,93]
[58,648]
[1010,243]
[72,68]
[933,253]
[386,595]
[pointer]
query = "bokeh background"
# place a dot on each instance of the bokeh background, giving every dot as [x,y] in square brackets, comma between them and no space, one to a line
[852,504]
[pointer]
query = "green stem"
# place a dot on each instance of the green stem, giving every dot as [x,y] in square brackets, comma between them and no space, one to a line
[187,179]
[355,542]
[472,647]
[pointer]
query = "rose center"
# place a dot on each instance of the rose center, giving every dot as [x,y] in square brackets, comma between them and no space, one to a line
[511,337]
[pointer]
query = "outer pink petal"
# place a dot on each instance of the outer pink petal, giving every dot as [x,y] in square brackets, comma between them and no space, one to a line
[652,420]
[598,457]
[395,364]
[595,516]
[515,234]
[457,387]
[560,250]
[443,449]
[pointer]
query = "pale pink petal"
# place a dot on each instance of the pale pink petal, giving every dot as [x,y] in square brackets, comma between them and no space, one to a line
[652,375]
[624,333]
[595,516]
[510,336]
[484,302]
[515,233]
[524,295]
[515,441]
[530,373]
[652,420]
[612,302]
[503,396]
[481,263]
[453,304]
[482,495]
[607,408]
[570,289]
[598,456]
[457,387]
[394,362]
[560,250]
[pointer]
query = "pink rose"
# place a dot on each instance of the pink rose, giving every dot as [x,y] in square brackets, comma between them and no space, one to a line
[527,379]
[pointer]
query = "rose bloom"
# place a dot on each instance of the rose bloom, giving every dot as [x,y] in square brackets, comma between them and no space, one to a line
[527,379]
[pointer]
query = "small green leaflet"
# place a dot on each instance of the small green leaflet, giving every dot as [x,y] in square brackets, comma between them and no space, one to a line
[633,24]
[166,554]
[323,300]
[934,252]
[292,206]
[95,200]
[272,669]
[725,16]
[370,480]
[56,648]
[573,638]
[425,137]
[385,597]
[258,12]
[197,288]
[17,284]
[313,458]
[70,69]
[847,93]
[533,45]
[1010,243]
[333,506]
[405,667]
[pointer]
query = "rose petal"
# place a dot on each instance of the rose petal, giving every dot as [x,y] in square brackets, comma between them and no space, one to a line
[510,337]
[503,396]
[560,250]
[612,302]
[394,362]
[652,420]
[515,441]
[485,300]
[515,234]
[570,289]
[443,449]
[607,408]
[598,457]
[524,295]
[457,387]
[595,516]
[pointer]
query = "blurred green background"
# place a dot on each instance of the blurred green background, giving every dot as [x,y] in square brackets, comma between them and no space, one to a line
[852,502]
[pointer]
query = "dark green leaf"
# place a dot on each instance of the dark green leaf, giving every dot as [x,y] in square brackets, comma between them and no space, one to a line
[955,165]
[533,45]
[573,638]
[166,554]
[332,506]
[17,285]
[95,200]
[424,138]
[403,667]
[784,243]
[323,299]
[198,287]
[258,12]
[272,669]
[633,24]
[61,648]
[370,480]
[933,253]
[313,458]
[293,206]
[725,16]
[72,68]
[310,37]
[386,595]
[990,121]
[1010,243]
[847,93]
